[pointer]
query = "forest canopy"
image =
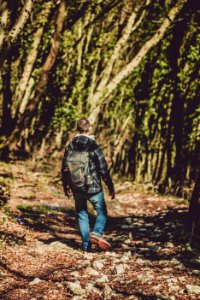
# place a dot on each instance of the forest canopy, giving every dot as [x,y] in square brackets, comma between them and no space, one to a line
[131,67]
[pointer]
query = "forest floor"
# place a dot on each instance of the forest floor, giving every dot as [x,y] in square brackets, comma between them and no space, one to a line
[40,254]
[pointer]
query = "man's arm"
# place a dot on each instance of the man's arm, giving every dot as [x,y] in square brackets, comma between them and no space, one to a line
[104,172]
[64,175]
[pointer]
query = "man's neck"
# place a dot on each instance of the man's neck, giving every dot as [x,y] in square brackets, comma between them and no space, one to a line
[86,134]
[83,133]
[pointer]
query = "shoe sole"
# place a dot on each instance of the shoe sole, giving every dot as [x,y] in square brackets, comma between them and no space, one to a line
[102,244]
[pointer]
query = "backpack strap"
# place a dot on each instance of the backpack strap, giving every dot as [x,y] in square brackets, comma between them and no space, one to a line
[71,146]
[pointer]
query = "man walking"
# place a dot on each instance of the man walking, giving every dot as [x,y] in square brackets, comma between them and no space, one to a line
[83,167]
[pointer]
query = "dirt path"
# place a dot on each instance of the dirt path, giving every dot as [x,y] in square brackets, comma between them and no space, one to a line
[40,245]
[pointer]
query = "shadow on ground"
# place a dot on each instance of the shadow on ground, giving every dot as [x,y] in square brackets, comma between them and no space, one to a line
[159,237]
[155,238]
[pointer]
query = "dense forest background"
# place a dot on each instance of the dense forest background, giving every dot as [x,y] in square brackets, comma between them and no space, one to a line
[132,67]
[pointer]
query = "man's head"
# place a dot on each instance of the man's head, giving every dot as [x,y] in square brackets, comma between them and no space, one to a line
[83,125]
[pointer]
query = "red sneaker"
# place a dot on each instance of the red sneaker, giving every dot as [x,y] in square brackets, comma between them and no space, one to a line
[100,242]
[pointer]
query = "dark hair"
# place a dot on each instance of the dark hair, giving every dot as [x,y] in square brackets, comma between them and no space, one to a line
[83,125]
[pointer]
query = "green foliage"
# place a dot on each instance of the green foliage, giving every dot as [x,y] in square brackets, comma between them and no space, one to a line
[6,210]
[65,116]
[39,209]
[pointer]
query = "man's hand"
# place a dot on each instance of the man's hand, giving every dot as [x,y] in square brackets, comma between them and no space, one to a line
[112,195]
[67,192]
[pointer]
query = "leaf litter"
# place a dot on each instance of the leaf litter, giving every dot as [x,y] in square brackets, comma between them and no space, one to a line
[41,255]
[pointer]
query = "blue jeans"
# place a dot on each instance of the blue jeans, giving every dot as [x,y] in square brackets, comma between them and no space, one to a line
[99,205]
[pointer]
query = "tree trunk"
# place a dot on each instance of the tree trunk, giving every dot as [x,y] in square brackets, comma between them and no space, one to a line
[19,24]
[24,87]
[116,52]
[3,23]
[177,110]
[15,31]
[23,82]
[7,121]
[194,208]
[32,107]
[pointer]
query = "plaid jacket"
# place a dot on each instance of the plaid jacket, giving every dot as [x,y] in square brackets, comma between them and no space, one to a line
[97,164]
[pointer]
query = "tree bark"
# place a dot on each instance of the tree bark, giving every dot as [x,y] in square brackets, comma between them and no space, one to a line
[19,24]
[177,117]
[6,121]
[23,82]
[194,207]
[3,22]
